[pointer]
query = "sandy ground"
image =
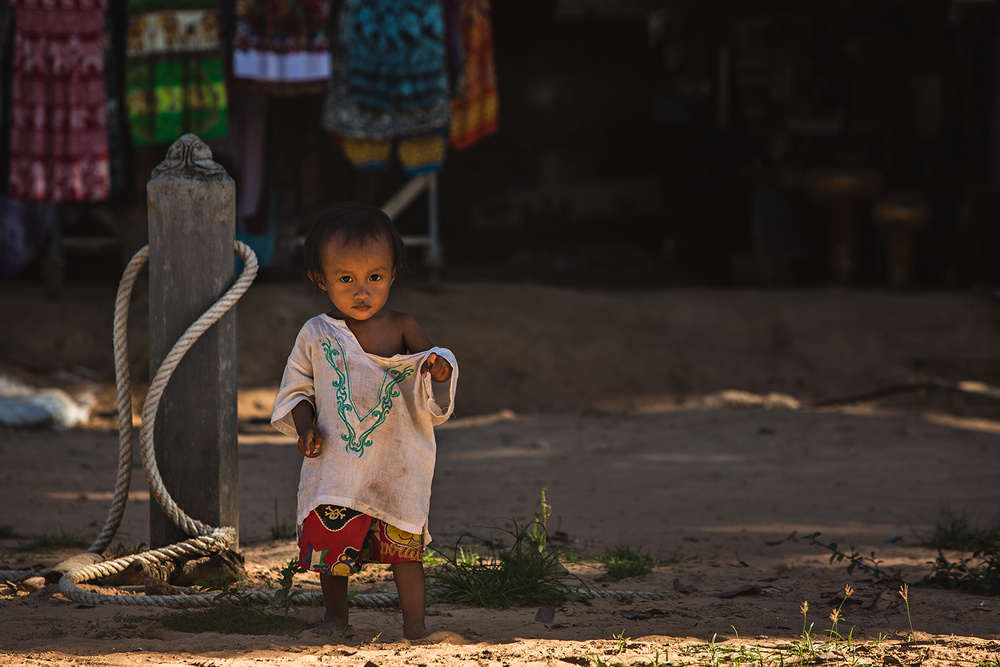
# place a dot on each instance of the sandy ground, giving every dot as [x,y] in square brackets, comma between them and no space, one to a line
[614,402]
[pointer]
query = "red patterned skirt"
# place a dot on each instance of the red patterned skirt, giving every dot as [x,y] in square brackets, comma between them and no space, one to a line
[340,541]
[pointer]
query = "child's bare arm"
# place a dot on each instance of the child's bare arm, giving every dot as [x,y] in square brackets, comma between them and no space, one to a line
[416,341]
[310,437]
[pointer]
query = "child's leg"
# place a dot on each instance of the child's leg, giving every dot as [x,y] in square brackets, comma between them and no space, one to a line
[335,599]
[409,577]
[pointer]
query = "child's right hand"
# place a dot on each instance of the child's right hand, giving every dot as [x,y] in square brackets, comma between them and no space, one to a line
[311,442]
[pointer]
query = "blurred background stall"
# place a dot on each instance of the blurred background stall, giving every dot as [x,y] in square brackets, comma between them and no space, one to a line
[661,142]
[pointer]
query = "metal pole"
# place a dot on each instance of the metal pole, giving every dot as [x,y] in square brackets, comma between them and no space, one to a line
[434,247]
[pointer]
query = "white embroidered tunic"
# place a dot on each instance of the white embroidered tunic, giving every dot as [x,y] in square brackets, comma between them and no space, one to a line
[377,416]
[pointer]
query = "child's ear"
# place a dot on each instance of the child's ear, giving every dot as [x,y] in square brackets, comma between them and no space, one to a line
[317,280]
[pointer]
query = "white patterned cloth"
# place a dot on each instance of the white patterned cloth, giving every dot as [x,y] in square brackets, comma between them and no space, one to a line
[377,416]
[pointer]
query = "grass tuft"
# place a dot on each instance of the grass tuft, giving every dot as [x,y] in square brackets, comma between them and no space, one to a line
[623,562]
[281,530]
[230,619]
[54,542]
[522,575]
[953,531]
[978,573]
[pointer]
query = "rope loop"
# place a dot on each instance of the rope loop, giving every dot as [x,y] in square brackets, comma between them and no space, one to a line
[205,539]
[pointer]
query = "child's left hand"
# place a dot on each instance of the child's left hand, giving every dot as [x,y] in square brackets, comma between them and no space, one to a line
[439,368]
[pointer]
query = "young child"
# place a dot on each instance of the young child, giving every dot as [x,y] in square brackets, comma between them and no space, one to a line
[357,393]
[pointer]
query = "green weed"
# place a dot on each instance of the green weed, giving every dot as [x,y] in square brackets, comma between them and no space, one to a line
[434,557]
[539,527]
[281,530]
[953,531]
[855,561]
[285,594]
[623,562]
[805,650]
[55,542]
[521,575]
[572,556]
[837,613]
[235,611]
[230,591]
[623,641]
[977,573]
[805,647]
[229,618]
[904,592]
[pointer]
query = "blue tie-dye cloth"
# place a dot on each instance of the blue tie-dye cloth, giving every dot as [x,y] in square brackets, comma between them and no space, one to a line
[400,70]
[396,53]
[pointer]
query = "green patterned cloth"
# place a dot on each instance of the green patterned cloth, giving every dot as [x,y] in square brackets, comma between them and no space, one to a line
[175,82]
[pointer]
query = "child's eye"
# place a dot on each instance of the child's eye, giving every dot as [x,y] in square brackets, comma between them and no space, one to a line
[345,279]
[375,277]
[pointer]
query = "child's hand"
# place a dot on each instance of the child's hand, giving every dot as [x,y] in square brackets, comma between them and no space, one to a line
[439,368]
[311,442]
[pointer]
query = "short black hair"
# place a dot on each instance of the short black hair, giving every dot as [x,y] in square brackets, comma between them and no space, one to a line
[357,223]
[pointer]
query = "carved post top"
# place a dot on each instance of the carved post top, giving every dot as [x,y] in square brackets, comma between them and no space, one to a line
[190,158]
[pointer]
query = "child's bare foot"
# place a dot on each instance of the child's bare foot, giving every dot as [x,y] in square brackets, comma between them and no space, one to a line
[416,633]
[441,637]
[334,628]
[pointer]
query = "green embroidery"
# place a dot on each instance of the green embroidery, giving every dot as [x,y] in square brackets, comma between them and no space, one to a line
[387,391]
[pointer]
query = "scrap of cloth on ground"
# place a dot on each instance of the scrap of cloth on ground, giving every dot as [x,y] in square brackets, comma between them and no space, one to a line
[377,416]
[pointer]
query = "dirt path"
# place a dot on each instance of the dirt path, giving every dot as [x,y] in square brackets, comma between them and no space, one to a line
[634,445]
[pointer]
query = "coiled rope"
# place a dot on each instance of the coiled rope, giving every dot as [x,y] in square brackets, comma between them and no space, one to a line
[205,539]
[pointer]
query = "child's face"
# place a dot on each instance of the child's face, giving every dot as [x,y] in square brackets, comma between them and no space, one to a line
[356,277]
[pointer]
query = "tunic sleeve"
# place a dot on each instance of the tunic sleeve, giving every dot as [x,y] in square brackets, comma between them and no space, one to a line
[296,385]
[440,397]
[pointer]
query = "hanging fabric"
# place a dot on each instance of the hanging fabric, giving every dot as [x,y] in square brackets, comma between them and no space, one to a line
[114,51]
[475,100]
[395,53]
[6,76]
[403,96]
[283,43]
[58,137]
[174,76]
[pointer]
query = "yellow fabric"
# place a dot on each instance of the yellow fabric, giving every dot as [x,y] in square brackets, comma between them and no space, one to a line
[416,154]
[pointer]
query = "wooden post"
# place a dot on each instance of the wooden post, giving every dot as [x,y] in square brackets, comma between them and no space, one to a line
[192,227]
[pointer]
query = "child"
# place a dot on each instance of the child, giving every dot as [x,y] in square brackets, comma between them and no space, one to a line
[357,393]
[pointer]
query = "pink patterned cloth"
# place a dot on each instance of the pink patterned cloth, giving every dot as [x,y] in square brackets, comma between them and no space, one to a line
[59,141]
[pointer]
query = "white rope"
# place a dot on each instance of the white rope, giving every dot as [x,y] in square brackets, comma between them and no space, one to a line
[205,539]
